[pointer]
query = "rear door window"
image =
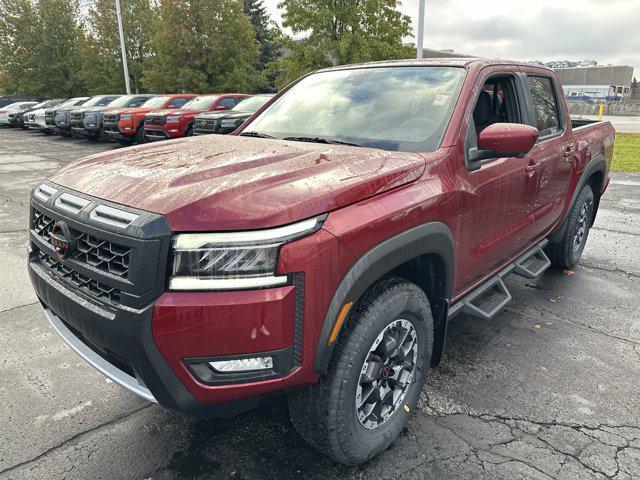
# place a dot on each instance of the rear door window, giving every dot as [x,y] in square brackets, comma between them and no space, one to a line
[545,105]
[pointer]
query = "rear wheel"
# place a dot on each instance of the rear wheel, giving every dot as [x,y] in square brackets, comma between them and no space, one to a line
[567,252]
[375,377]
[189,132]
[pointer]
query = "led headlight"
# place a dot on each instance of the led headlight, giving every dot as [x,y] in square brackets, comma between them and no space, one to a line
[227,123]
[173,119]
[234,260]
[126,117]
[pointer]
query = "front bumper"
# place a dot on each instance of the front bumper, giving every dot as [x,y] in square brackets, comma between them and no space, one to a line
[154,133]
[157,343]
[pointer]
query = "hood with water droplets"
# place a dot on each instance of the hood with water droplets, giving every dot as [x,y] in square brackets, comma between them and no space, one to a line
[218,182]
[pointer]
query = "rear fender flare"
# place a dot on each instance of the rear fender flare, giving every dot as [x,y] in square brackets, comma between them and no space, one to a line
[596,164]
[430,238]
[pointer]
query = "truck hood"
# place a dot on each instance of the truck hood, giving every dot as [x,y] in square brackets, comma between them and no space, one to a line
[131,111]
[175,111]
[236,183]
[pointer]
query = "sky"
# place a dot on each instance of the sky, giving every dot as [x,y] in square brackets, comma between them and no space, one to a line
[604,30]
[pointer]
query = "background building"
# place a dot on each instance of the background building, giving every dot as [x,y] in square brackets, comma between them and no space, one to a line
[596,82]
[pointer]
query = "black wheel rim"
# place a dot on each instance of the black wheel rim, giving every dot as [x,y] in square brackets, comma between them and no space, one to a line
[583,226]
[386,373]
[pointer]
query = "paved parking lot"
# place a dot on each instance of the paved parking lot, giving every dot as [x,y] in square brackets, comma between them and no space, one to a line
[548,389]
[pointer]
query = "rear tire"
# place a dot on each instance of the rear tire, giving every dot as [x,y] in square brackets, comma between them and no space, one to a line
[330,415]
[567,252]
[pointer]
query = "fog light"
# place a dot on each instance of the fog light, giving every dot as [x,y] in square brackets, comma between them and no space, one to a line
[242,365]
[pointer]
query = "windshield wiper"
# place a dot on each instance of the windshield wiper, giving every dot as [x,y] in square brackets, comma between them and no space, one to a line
[320,140]
[255,135]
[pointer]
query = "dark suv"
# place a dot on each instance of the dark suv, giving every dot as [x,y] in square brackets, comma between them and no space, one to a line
[227,121]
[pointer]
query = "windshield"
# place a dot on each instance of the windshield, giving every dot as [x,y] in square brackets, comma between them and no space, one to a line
[93,101]
[121,101]
[252,104]
[200,103]
[155,102]
[70,103]
[392,108]
[41,104]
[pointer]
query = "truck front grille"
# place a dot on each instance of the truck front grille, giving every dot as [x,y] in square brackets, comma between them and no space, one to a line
[49,117]
[101,254]
[89,286]
[204,124]
[156,120]
[75,118]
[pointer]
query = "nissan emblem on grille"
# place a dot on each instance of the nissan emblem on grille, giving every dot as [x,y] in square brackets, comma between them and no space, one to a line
[62,240]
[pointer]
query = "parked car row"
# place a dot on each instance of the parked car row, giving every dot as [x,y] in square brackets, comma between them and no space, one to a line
[135,118]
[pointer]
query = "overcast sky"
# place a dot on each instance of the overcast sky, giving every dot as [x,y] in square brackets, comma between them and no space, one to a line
[604,30]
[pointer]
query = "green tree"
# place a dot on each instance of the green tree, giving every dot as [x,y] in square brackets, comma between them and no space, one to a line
[203,46]
[40,47]
[266,32]
[342,31]
[104,56]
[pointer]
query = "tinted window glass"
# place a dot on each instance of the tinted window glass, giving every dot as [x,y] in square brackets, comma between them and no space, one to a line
[392,108]
[544,105]
[178,102]
[201,103]
[227,102]
[137,102]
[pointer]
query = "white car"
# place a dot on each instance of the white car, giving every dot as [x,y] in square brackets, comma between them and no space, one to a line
[34,120]
[12,108]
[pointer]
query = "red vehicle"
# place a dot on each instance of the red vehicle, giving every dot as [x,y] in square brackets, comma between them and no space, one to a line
[166,124]
[322,248]
[127,125]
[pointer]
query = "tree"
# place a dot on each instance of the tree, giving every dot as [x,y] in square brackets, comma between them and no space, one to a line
[60,38]
[40,47]
[18,23]
[342,31]
[203,46]
[266,32]
[104,56]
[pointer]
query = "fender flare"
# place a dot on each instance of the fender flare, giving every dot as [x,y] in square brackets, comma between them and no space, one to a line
[433,237]
[596,164]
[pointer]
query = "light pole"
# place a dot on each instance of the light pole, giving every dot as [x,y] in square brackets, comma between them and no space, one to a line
[122,48]
[420,42]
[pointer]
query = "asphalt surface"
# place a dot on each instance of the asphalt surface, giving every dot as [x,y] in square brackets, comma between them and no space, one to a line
[550,388]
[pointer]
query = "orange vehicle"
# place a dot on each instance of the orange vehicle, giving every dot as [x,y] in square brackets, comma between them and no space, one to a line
[127,125]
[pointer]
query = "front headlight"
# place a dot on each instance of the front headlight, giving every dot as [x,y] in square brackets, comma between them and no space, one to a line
[235,260]
[173,119]
[126,117]
[230,123]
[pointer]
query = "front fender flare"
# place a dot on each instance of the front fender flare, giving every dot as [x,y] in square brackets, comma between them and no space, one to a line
[429,238]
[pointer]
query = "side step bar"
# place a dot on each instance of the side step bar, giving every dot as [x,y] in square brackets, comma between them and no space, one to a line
[493,295]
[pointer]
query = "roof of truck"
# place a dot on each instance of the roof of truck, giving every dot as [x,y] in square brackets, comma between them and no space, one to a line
[440,62]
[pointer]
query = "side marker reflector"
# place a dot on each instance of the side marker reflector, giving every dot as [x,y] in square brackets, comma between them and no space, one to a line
[341,316]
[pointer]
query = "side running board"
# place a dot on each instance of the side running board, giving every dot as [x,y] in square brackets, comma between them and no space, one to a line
[493,295]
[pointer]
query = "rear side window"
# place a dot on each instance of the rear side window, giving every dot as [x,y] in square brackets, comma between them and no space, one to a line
[545,105]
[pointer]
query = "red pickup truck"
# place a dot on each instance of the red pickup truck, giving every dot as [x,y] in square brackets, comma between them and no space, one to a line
[166,124]
[322,248]
[127,125]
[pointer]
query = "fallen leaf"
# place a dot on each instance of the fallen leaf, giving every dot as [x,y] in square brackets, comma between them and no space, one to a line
[568,272]
[538,326]
[553,300]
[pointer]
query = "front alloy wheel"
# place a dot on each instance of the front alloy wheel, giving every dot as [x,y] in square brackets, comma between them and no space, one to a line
[386,373]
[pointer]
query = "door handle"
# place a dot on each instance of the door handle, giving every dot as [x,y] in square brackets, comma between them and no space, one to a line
[568,151]
[531,167]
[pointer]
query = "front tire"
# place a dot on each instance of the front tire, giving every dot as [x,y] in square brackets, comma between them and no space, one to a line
[375,376]
[567,252]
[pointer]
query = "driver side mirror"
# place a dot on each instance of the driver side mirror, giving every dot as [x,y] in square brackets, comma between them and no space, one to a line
[170,107]
[221,107]
[502,140]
